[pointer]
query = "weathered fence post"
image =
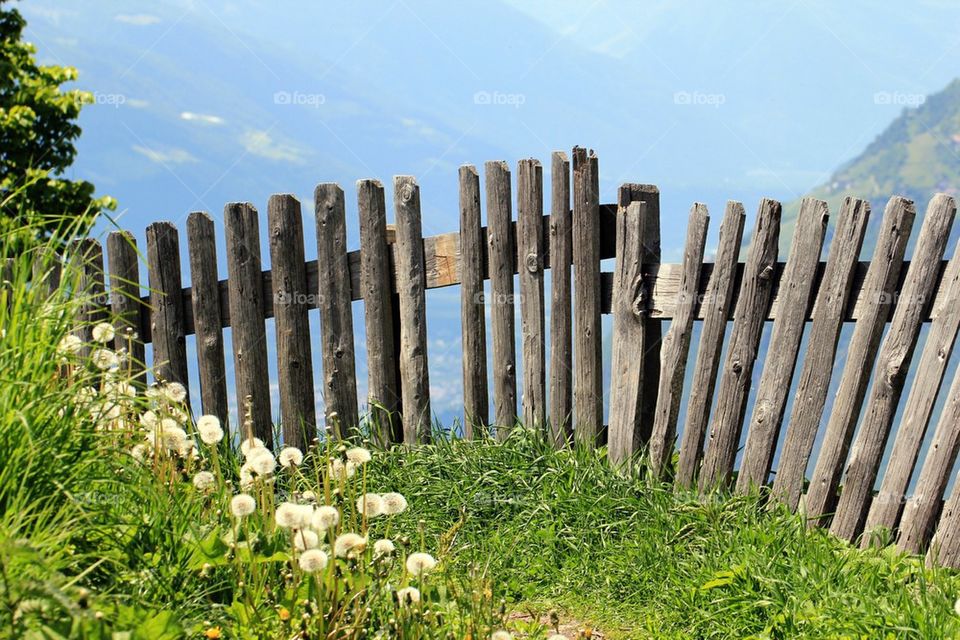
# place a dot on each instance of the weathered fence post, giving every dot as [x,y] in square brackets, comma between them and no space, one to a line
[376,285]
[716,309]
[876,297]
[476,404]
[207,315]
[85,257]
[246,296]
[752,308]
[793,299]
[298,412]
[336,312]
[561,355]
[676,344]
[530,268]
[166,301]
[411,284]
[125,300]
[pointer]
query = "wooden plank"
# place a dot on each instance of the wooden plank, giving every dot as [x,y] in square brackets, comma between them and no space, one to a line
[921,510]
[945,546]
[532,320]
[47,269]
[560,257]
[796,285]
[298,412]
[629,313]
[206,305]
[383,392]
[588,370]
[501,250]
[476,403]
[166,304]
[833,296]
[893,361]
[717,299]
[676,344]
[126,306]
[249,332]
[85,259]
[414,377]
[336,312]
[878,296]
[755,294]
[887,504]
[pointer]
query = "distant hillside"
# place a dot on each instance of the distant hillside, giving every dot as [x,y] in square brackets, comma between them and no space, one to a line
[916,156]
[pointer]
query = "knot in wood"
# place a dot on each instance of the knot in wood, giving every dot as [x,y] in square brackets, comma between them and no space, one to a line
[767,273]
[532,262]
[510,369]
[736,366]
[406,193]
[639,295]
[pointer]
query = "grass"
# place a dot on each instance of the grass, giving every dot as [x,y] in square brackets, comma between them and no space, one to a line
[94,542]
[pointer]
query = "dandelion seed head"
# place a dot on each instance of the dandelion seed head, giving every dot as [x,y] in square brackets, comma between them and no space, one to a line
[141,451]
[358,455]
[249,444]
[349,544]
[325,517]
[103,332]
[261,461]
[558,636]
[149,419]
[370,505]
[104,359]
[313,560]
[294,516]
[203,481]
[408,596]
[209,429]
[290,457]
[305,539]
[420,563]
[175,392]
[501,635]
[69,345]
[340,471]
[393,503]
[384,547]
[242,505]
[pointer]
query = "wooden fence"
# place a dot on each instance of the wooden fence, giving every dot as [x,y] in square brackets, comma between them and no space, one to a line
[654,307]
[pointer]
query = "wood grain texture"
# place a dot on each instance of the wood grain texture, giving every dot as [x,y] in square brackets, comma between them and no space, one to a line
[298,412]
[476,402]
[945,546]
[205,301]
[501,250]
[795,288]
[717,299]
[755,294]
[890,374]
[676,344]
[125,302]
[831,303]
[587,342]
[560,257]
[249,334]
[336,313]
[411,283]
[47,270]
[166,304]
[886,506]
[85,274]
[629,313]
[376,272]
[530,250]
[878,288]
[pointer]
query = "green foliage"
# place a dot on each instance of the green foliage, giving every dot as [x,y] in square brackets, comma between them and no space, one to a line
[38,129]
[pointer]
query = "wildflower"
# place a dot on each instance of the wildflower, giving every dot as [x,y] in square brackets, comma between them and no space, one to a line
[501,635]
[420,563]
[175,392]
[408,595]
[384,547]
[309,496]
[149,419]
[370,505]
[154,392]
[212,633]
[246,479]
[358,455]
[305,539]
[140,451]
[325,517]
[290,456]
[348,544]
[172,435]
[104,359]
[284,614]
[242,505]
[393,503]
[69,345]
[187,449]
[262,462]
[203,481]
[103,332]
[313,560]
[209,429]
[249,444]
[294,516]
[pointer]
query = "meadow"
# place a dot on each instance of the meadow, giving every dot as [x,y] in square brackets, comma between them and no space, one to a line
[123,516]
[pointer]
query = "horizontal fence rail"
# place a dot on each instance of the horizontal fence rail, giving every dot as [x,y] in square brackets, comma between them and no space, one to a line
[654,307]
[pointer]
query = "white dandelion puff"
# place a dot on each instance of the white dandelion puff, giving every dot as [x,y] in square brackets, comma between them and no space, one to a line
[175,392]
[290,456]
[384,547]
[325,517]
[393,503]
[408,595]
[203,481]
[149,419]
[305,539]
[358,455]
[956,606]
[242,505]
[103,332]
[349,544]
[141,451]
[209,429]
[420,563]
[104,359]
[340,471]
[250,444]
[313,560]
[69,345]
[294,516]
[370,505]
[558,636]
[501,635]
[262,462]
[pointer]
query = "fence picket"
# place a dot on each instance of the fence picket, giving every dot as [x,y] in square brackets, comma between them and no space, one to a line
[166,304]
[246,296]
[502,255]
[752,307]
[715,310]
[561,353]
[476,403]
[831,303]
[85,257]
[891,369]
[125,301]
[530,249]
[298,413]
[676,344]
[796,284]
[877,298]
[383,394]
[411,285]
[945,546]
